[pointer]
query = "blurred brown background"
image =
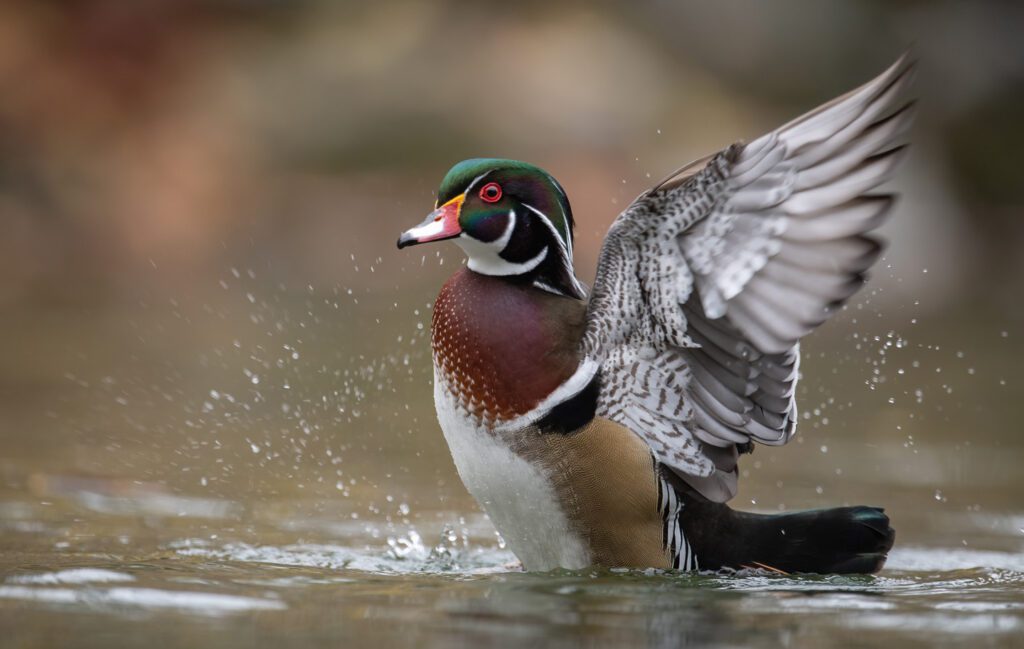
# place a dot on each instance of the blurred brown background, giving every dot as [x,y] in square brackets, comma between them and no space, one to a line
[199,199]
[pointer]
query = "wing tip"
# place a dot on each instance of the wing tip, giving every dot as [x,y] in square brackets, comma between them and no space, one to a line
[905,66]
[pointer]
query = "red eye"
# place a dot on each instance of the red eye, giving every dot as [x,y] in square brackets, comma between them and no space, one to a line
[491,192]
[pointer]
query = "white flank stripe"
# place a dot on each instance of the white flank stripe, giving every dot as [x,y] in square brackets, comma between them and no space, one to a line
[570,388]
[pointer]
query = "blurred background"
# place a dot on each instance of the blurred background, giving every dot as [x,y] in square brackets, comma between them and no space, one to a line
[205,319]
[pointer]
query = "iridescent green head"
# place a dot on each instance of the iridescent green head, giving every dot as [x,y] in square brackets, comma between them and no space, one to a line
[512,219]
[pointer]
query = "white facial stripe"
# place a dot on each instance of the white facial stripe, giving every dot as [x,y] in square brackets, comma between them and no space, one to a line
[506,236]
[470,186]
[550,289]
[551,226]
[565,216]
[485,256]
[564,246]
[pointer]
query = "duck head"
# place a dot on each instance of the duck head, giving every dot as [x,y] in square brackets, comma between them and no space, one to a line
[511,218]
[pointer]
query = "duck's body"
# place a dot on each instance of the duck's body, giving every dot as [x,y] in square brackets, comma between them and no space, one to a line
[563,498]
[605,430]
[569,501]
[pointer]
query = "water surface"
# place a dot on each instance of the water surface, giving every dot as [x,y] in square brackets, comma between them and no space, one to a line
[73,576]
[264,468]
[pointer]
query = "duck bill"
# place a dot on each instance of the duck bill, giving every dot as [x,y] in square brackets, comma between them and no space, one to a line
[441,224]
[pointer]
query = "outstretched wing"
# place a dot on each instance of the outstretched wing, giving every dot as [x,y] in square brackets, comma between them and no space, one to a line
[707,282]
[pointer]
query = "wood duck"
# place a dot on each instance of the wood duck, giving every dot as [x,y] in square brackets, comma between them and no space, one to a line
[606,429]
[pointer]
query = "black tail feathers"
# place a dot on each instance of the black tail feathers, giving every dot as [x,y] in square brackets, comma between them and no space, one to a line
[851,540]
[840,540]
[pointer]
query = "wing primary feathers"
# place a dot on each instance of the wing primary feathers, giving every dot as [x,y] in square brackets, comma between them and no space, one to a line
[865,177]
[861,214]
[879,137]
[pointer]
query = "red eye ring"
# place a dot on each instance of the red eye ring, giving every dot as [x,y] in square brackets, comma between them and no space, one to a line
[490,193]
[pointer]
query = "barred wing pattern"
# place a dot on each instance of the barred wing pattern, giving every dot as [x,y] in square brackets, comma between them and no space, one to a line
[707,282]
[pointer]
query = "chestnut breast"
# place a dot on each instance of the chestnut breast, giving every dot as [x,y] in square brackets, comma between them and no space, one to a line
[501,346]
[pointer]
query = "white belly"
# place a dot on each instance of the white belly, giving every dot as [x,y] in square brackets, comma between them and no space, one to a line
[516,495]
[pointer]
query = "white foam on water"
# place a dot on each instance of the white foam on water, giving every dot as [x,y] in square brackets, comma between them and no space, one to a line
[946,559]
[981,625]
[54,595]
[980,607]
[201,603]
[210,603]
[417,559]
[830,602]
[73,576]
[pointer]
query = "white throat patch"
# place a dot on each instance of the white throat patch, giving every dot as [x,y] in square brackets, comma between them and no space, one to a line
[485,256]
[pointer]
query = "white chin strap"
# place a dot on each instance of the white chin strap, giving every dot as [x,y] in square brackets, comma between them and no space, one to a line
[485,256]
